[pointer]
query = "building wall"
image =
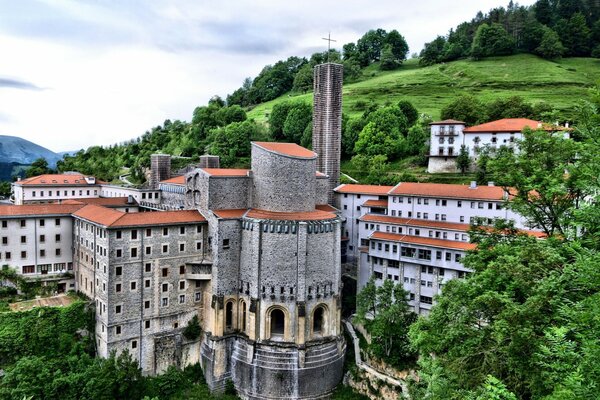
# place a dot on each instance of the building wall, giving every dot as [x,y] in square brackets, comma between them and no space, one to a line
[37,246]
[352,209]
[31,194]
[140,195]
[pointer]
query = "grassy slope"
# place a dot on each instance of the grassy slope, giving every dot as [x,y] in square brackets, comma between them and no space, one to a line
[559,83]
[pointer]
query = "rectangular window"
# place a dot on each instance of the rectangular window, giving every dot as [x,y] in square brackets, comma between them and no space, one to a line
[181,298]
[57,222]
[181,246]
[23,239]
[42,238]
[133,285]
[119,234]
[118,270]
[148,267]
[426,299]
[134,252]
[147,304]
[119,253]
[165,231]
[165,287]
[118,330]
[5,224]
[23,254]
[197,296]
[42,253]
[459,204]
[165,301]
[448,256]
[118,309]
[118,287]
[182,230]
[165,272]
[148,250]
[134,233]
[149,232]
[165,248]
[57,252]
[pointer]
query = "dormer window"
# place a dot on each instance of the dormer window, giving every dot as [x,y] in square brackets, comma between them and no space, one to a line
[476,139]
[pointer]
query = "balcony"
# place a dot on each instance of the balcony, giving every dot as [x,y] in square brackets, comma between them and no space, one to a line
[200,271]
[445,133]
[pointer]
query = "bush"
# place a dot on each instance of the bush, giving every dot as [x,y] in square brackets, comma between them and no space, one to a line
[193,330]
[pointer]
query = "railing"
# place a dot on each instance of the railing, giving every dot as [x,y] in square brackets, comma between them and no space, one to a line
[198,271]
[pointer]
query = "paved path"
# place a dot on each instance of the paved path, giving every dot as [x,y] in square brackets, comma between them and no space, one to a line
[366,367]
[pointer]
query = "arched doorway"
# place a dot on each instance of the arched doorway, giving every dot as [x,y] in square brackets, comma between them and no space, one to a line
[277,323]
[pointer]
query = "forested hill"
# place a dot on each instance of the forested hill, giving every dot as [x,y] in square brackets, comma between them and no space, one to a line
[548,28]
[275,105]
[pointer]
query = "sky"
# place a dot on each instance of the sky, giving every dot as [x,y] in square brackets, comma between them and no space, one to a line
[74,74]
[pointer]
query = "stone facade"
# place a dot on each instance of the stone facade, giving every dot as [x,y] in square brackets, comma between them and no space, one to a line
[160,166]
[327,121]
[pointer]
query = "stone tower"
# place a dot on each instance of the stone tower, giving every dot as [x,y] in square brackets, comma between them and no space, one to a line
[327,121]
[160,166]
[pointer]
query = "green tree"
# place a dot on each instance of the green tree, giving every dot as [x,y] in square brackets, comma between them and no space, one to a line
[382,134]
[550,46]
[350,136]
[232,143]
[297,120]
[397,44]
[369,46]
[463,161]
[465,108]
[227,115]
[409,111]
[510,107]
[388,60]
[38,167]
[277,119]
[303,81]
[491,40]
[416,140]
[433,52]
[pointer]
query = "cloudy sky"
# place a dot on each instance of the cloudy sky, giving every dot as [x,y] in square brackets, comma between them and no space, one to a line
[96,72]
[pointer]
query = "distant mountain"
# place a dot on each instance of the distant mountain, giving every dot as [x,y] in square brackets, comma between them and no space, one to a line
[15,150]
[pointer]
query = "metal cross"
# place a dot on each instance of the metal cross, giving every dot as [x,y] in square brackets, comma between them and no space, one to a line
[329,40]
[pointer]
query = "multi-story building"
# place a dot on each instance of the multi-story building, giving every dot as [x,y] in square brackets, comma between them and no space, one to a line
[51,188]
[448,136]
[417,233]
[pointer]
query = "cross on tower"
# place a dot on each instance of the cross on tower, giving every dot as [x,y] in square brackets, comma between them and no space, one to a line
[329,40]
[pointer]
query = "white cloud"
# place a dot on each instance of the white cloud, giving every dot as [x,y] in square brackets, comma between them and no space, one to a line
[111,70]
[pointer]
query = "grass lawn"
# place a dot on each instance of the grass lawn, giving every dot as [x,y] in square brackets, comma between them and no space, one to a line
[561,84]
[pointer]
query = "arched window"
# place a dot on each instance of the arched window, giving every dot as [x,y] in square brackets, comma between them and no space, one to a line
[277,322]
[229,316]
[243,316]
[318,320]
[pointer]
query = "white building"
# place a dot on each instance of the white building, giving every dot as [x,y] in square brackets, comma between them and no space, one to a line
[447,137]
[417,233]
[54,187]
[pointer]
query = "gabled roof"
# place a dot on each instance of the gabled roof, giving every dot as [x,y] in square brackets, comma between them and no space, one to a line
[58,180]
[286,149]
[178,180]
[38,209]
[446,190]
[448,122]
[363,189]
[510,125]
[226,172]
[446,244]
[113,218]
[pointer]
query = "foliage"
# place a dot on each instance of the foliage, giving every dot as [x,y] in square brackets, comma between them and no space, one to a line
[550,46]
[192,330]
[509,107]
[232,143]
[491,40]
[465,108]
[383,134]
[463,161]
[38,167]
[409,111]
[385,313]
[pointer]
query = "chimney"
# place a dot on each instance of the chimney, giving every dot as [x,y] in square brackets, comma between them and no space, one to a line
[473,185]
[490,183]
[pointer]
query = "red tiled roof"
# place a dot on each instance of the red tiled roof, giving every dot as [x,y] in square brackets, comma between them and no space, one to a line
[287,149]
[326,207]
[57,179]
[446,190]
[316,215]
[38,209]
[230,213]
[113,218]
[103,201]
[450,244]
[178,180]
[363,189]
[447,122]
[376,203]
[510,125]
[425,223]
[228,172]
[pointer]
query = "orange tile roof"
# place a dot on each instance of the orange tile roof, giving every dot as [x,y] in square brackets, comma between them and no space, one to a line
[38,209]
[424,223]
[178,180]
[316,215]
[450,244]
[234,213]
[447,122]
[226,172]
[57,180]
[510,125]
[446,190]
[113,218]
[102,201]
[376,203]
[326,207]
[363,189]
[287,149]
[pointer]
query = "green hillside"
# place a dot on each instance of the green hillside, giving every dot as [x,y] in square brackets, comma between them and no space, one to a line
[561,84]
